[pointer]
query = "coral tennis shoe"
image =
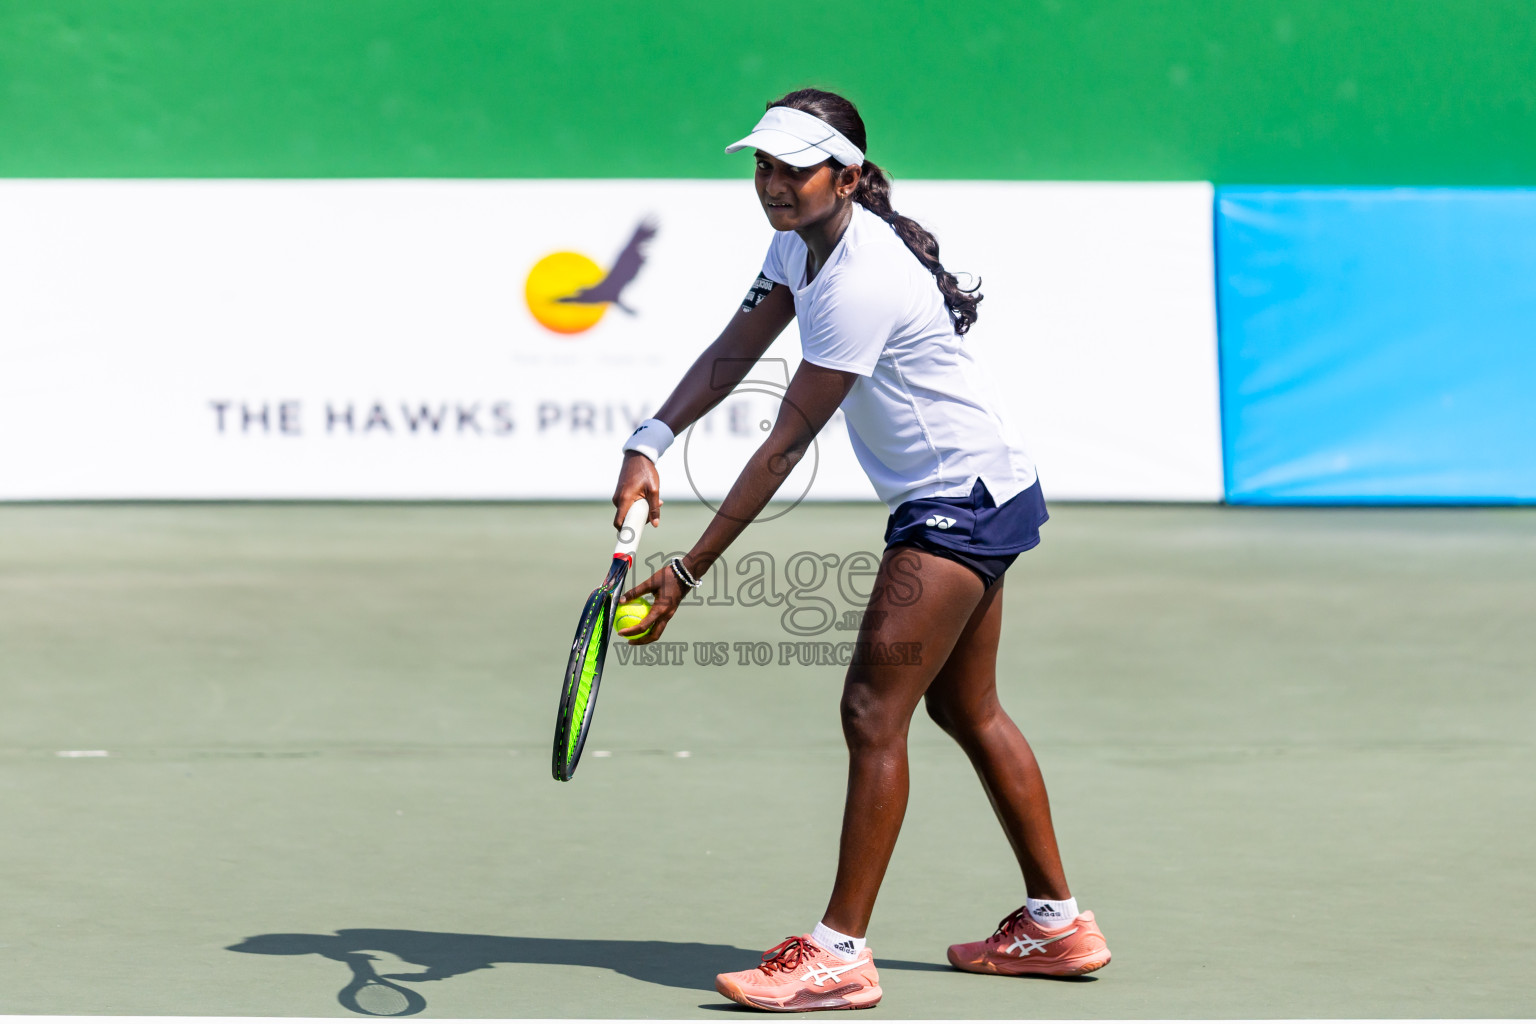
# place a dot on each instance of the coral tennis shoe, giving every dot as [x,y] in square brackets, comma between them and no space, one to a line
[1021,946]
[798,975]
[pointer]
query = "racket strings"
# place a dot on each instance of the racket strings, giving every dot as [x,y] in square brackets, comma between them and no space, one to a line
[381,999]
[578,695]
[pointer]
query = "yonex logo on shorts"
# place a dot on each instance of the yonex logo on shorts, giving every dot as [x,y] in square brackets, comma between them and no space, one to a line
[942,522]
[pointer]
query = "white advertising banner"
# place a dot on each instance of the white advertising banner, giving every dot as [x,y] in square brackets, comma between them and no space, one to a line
[500,339]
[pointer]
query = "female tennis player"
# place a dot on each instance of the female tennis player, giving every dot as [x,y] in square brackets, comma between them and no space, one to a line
[881,333]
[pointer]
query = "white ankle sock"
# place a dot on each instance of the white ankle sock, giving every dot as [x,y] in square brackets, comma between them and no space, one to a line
[1052,913]
[844,946]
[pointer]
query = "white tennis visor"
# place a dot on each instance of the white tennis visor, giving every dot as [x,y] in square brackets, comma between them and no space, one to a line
[799,139]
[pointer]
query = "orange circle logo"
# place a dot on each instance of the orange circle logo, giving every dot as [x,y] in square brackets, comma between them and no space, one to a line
[569,293]
[552,284]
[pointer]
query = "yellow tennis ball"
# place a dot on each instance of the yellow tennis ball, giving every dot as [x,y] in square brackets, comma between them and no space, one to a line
[630,613]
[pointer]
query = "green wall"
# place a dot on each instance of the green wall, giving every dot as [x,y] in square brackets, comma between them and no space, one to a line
[1293,91]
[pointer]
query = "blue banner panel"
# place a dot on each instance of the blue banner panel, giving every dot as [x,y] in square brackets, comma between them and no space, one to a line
[1377,345]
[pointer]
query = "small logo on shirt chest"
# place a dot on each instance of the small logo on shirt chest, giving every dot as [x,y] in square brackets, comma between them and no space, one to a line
[942,522]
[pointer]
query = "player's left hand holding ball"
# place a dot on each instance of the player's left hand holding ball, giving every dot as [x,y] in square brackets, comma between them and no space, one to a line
[630,613]
[668,593]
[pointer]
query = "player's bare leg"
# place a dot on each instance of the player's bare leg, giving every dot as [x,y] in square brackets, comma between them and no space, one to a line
[963,701]
[923,601]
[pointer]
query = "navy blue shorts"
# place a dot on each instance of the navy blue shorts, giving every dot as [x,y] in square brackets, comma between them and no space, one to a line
[974,531]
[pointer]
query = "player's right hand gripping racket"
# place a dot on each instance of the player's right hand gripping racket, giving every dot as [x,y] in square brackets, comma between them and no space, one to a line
[578,694]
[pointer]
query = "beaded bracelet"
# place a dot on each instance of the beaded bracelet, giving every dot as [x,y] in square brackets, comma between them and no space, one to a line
[686,578]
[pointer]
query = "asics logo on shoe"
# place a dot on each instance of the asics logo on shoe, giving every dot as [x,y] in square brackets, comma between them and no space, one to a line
[819,975]
[1024,945]
[942,522]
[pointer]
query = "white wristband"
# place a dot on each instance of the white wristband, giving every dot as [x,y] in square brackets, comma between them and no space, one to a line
[651,439]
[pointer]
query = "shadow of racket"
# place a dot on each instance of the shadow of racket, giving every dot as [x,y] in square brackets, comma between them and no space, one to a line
[369,994]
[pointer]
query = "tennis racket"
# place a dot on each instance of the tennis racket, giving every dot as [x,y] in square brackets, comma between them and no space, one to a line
[578,691]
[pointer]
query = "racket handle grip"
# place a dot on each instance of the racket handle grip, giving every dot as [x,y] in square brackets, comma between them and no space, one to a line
[629,534]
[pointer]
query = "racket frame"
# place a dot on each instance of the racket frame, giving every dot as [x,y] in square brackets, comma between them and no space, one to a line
[600,607]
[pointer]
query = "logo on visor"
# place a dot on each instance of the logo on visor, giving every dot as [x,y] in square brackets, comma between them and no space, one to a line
[568,292]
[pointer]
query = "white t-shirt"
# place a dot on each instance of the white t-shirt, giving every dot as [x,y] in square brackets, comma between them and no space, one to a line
[922,420]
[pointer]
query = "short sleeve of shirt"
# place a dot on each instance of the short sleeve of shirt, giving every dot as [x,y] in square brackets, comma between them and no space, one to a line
[860,316]
[773,263]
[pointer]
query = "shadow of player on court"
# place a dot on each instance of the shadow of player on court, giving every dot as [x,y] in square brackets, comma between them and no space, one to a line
[685,965]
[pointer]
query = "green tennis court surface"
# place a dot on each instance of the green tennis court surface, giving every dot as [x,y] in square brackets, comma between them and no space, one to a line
[1290,751]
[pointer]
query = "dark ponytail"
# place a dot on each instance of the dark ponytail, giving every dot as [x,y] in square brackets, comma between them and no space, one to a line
[874,194]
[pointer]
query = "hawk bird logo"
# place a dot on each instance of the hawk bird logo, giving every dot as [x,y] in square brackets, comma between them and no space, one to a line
[628,263]
[568,292]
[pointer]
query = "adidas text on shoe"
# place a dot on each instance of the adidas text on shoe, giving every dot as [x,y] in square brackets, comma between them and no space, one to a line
[1021,946]
[798,975]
